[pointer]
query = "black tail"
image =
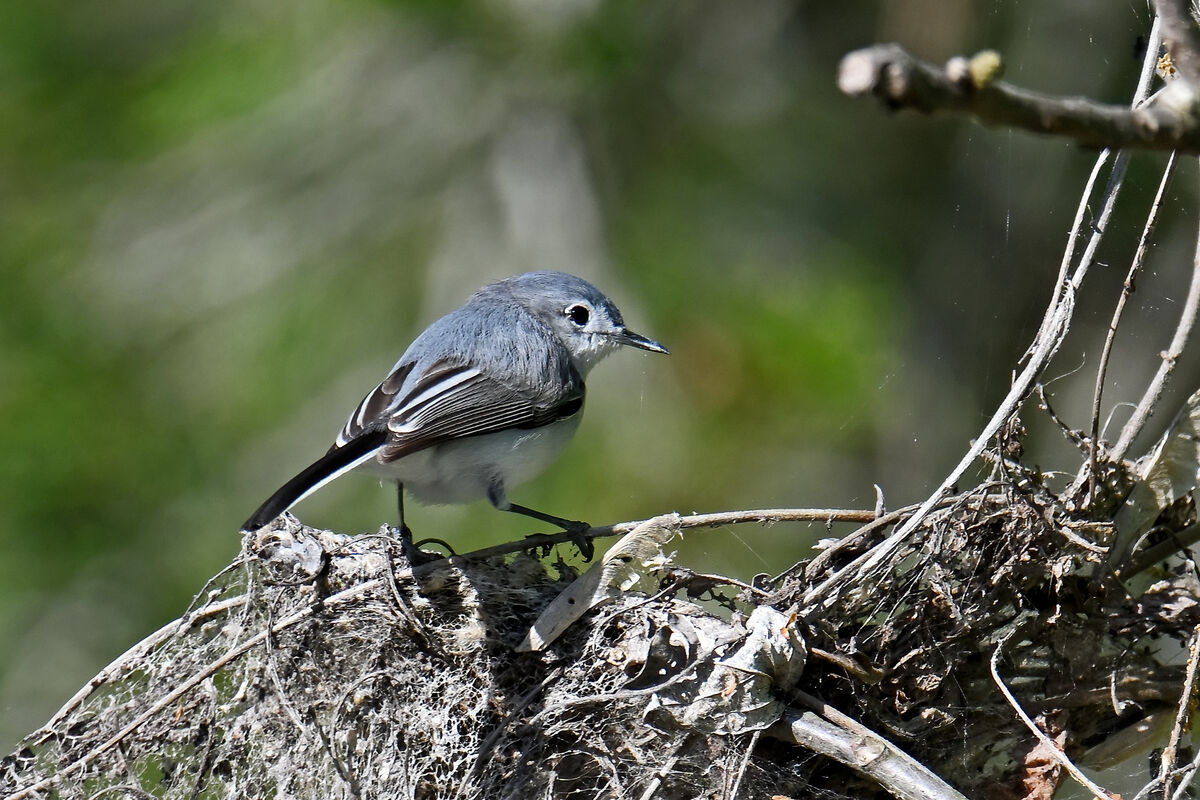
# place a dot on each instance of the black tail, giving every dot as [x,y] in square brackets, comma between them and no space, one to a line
[324,469]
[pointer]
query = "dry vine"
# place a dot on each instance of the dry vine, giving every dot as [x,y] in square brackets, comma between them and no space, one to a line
[976,644]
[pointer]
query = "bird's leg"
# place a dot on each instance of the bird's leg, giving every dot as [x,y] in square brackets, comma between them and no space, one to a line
[578,530]
[568,525]
[499,499]
[412,550]
[404,533]
[403,529]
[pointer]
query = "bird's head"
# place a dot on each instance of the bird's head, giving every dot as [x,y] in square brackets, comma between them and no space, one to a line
[588,324]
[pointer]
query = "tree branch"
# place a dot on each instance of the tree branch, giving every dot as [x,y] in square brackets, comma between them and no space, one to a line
[762,516]
[967,86]
[867,752]
[1135,269]
[1169,358]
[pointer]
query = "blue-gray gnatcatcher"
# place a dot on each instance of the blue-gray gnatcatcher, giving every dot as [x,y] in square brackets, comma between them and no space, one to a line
[486,398]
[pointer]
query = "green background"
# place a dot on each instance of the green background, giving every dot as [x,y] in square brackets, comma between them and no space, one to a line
[220,224]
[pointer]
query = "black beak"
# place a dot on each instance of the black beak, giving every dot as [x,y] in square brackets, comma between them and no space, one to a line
[631,339]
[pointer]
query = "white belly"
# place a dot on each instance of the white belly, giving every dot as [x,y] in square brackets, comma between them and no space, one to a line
[463,470]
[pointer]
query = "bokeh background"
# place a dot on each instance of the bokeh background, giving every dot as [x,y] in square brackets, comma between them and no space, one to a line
[220,224]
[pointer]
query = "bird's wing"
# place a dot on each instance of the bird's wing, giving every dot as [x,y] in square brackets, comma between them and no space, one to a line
[454,401]
[374,409]
[450,399]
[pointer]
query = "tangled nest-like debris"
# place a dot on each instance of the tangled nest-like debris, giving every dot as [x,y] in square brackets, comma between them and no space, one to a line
[1001,585]
[318,667]
[324,666]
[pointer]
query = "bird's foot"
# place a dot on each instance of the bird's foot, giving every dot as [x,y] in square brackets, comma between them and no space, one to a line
[578,531]
[579,537]
[413,552]
[437,541]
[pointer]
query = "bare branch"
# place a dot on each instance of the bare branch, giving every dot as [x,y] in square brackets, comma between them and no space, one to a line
[901,81]
[762,516]
[1049,744]
[822,560]
[1135,269]
[1186,776]
[1187,320]
[1182,715]
[867,752]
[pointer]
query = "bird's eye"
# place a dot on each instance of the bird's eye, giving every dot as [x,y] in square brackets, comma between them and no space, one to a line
[579,315]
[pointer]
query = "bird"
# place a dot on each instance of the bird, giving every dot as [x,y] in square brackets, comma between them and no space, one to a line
[485,399]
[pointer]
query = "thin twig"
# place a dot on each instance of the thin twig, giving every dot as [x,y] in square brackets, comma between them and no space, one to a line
[1051,746]
[713,577]
[821,560]
[1073,436]
[866,752]
[762,516]
[664,771]
[269,657]
[1061,284]
[1171,751]
[205,760]
[737,781]
[1187,320]
[1080,542]
[1054,330]
[1186,776]
[206,593]
[1135,269]
[1154,43]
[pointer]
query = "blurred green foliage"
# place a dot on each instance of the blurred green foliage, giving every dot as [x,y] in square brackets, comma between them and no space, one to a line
[222,222]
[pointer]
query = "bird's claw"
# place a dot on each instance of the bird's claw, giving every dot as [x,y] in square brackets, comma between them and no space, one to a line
[412,552]
[578,531]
